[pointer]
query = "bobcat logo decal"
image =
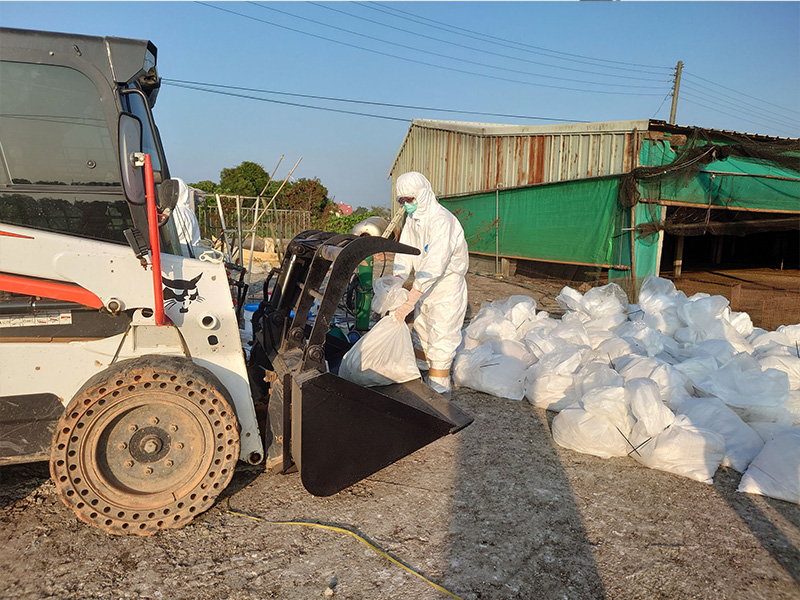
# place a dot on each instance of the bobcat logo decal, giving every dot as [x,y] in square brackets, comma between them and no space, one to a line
[181,292]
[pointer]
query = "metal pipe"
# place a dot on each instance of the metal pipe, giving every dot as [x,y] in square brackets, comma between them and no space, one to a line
[497,229]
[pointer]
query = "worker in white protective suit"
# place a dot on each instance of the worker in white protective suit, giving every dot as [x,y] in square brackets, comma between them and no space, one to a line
[438,296]
[185,220]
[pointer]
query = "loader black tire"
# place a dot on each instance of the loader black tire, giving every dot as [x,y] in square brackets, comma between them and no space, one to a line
[145,445]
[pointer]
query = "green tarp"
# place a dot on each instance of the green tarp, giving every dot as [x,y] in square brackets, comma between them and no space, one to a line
[583,221]
[569,222]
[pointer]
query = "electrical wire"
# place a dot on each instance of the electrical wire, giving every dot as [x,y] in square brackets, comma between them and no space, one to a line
[503,42]
[741,93]
[351,533]
[325,108]
[716,109]
[472,48]
[715,96]
[455,58]
[370,103]
[662,104]
[419,62]
[733,107]
[448,57]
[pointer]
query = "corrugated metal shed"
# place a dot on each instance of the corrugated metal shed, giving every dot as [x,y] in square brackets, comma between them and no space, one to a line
[459,157]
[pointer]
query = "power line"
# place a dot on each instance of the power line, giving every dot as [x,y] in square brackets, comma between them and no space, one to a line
[743,94]
[336,110]
[716,109]
[448,57]
[502,42]
[722,97]
[366,102]
[736,108]
[472,48]
[453,69]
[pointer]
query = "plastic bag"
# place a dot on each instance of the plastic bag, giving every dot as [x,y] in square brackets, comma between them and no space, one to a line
[383,356]
[683,449]
[775,472]
[742,443]
[741,383]
[598,424]
[484,370]
[388,294]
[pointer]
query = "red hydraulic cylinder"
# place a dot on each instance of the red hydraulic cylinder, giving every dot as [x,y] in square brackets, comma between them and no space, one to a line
[155,244]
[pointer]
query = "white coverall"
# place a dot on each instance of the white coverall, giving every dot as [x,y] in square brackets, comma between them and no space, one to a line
[439,275]
[185,220]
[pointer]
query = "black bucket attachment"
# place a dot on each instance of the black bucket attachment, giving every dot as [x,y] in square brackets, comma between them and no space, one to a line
[333,431]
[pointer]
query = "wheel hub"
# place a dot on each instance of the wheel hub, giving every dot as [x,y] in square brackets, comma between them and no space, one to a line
[147,449]
[149,445]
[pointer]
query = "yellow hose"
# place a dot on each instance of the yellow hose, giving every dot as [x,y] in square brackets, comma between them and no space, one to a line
[370,545]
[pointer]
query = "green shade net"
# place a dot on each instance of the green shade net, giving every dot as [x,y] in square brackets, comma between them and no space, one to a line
[564,222]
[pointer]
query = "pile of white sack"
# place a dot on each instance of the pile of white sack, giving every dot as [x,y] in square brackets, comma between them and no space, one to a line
[679,384]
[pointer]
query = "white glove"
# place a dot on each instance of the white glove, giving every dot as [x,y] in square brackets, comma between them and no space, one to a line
[407,307]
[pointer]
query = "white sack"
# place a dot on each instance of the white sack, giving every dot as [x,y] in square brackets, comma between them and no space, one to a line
[615,347]
[683,449]
[740,382]
[383,356]
[671,383]
[775,472]
[787,363]
[486,371]
[489,324]
[742,443]
[388,294]
[651,416]
[550,379]
[596,425]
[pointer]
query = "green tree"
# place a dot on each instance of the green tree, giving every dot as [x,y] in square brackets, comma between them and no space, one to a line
[248,179]
[381,211]
[207,186]
[305,194]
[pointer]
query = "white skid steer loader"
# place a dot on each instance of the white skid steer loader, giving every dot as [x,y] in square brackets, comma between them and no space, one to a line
[120,358]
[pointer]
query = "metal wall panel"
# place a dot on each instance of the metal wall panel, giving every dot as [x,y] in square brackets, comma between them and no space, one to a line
[459,158]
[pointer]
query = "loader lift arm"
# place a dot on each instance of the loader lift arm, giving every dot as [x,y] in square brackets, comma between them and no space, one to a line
[333,431]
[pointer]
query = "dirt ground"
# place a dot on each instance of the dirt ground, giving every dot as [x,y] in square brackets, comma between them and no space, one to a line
[497,511]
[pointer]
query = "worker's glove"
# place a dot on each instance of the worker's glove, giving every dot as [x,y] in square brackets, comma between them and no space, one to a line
[407,307]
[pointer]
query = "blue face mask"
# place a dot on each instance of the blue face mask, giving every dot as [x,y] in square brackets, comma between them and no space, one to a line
[410,206]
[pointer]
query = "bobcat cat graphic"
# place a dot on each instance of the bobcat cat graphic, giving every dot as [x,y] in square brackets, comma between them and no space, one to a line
[181,292]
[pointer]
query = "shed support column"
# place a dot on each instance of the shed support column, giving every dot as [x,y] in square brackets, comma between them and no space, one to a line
[677,263]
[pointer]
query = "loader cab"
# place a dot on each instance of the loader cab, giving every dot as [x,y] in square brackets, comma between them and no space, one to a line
[64,100]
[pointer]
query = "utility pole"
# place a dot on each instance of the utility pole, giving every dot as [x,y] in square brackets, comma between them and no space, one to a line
[675,90]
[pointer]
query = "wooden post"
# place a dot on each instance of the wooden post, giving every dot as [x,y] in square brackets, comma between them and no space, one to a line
[736,297]
[677,262]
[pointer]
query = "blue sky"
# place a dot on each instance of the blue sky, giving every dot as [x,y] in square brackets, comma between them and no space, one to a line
[742,72]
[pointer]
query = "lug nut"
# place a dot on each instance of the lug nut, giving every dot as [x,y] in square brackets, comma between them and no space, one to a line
[154,420]
[129,463]
[148,471]
[179,445]
[122,445]
[133,427]
[173,428]
[168,463]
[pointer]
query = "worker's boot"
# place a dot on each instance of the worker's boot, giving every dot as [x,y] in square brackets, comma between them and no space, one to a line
[440,384]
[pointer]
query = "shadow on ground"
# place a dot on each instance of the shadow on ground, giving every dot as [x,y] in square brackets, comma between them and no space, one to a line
[514,512]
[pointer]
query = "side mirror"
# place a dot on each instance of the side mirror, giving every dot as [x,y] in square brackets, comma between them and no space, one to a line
[130,142]
[168,194]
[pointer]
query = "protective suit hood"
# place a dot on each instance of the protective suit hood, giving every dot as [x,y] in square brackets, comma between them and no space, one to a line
[413,184]
[183,194]
[185,220]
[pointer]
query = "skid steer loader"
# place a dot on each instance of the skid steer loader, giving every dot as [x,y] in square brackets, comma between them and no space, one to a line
[120,358]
